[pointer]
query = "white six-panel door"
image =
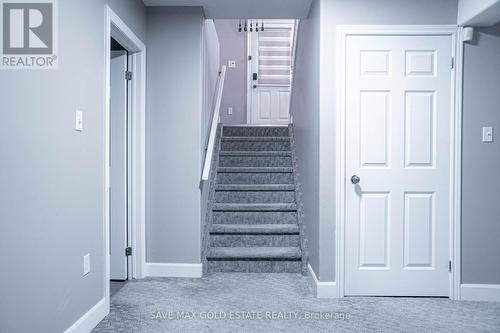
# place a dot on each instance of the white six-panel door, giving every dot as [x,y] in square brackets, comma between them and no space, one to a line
[270,106]
[270,72]
[398,121]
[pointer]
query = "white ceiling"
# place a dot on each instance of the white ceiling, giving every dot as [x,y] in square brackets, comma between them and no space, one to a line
[232,9]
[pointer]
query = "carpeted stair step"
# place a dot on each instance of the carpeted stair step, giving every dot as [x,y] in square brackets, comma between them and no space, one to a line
[259,207]
[255,170]
[250,240]
[254,259]
[255,139]
[271,235]
[265,252]
[252,217]
[254,266]
[255,144]
[257,187]
[255,131]
[255,159]
[255,175]
[271,153]
[246,197]
[254,229]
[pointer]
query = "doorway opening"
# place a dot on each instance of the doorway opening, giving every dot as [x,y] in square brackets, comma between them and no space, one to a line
[119,157]
[271,55]
[124,154]
[259,55]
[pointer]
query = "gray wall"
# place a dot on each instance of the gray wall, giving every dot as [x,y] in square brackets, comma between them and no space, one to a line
[173,142]
[233,46]
[51,176]
[481,161]
[305,112]
[332,13]
[211,55]
[211,75]
[477,13]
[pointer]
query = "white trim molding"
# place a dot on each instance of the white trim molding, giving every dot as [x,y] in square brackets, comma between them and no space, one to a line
[249,81]
[174,270]
[343,31]
[323,289]
[115,27]
[456,190]
[90,319]
[480,292]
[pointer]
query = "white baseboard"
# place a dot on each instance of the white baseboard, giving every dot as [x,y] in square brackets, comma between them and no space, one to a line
[480,292]
[90,319]
[174,270]
[323,289]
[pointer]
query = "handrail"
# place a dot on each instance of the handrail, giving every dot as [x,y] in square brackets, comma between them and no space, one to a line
[294,46]
[292,69]
[213,128]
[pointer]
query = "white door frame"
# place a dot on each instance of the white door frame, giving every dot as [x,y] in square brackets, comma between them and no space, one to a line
[343,31]
[249,79]
[116,28]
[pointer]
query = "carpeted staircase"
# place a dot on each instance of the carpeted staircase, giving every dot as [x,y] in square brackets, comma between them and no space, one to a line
[254,223]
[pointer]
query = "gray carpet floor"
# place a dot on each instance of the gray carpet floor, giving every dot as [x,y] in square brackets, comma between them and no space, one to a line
[239,302]
[115,286]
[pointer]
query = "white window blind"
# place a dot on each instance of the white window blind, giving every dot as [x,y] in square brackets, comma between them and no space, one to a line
[275,52]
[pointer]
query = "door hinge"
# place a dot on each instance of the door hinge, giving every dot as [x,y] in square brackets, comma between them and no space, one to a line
[249,58]
[128,251]
[128,75]
[452,63]
[449,266]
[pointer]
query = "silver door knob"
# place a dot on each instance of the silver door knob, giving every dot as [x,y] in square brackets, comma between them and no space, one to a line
[355,179]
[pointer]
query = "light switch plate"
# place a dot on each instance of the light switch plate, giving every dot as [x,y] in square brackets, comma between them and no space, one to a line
[79,120]
[86,264]
[230,110]
[231,63]
[487,134]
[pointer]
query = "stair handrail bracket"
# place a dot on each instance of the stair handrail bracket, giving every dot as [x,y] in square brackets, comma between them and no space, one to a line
[213,126]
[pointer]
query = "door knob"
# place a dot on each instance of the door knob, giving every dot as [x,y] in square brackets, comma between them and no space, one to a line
[355,179]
